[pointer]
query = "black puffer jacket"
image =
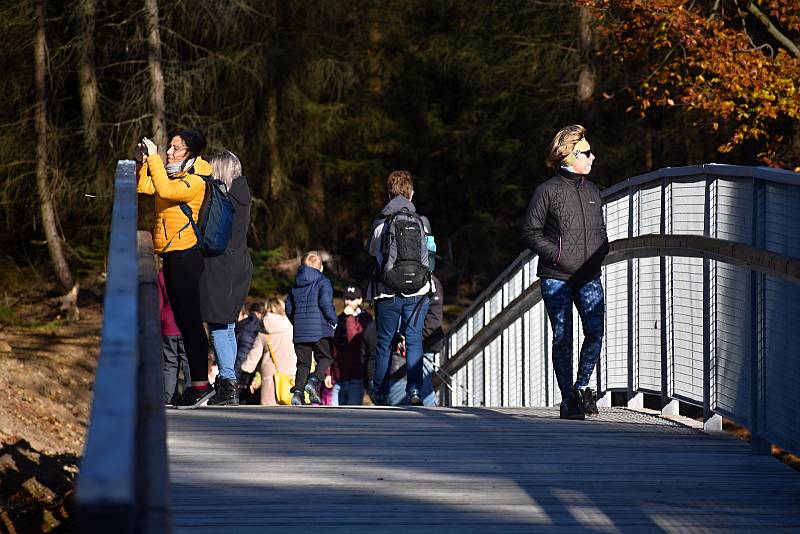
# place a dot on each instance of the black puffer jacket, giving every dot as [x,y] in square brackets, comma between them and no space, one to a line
[564,225]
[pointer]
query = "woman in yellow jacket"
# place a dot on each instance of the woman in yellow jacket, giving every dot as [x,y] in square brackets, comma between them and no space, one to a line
[180,181]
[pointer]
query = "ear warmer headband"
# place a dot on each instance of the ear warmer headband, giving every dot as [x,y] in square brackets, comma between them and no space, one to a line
[580,146]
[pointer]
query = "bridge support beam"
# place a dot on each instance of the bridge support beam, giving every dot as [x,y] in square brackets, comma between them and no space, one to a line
[713,424]
[671,408]
[637,401]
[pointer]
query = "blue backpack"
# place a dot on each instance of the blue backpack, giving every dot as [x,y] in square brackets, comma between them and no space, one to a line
[214,220]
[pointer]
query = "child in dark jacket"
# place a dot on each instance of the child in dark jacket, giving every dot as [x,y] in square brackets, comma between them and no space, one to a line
[310,309]
[348,369]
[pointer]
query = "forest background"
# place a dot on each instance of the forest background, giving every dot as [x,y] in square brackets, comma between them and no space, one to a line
[321,99]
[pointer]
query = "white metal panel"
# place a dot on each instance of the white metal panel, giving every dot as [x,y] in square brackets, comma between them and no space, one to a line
[782,217]
[477,392]
[647,322]
[536,348]
[731,337]
[614,359]
[616,215]
[687,206]
[512,364]
[647,219]
[732,210]
[686,325]
[492,374]
[783,361]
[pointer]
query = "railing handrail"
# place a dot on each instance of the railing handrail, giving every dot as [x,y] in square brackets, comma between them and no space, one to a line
[646,246]
[123,483]
[768,174]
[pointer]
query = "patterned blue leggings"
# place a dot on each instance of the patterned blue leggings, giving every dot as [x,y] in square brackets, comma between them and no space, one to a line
[558,297]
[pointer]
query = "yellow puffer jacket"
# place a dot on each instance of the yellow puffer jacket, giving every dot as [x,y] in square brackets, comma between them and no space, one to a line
[170,193]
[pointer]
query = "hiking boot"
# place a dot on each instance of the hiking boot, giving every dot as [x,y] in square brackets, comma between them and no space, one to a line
[414,398]
[227,392]
[571,409]
[299,398]
[193,397]
[312,388]
[586,400]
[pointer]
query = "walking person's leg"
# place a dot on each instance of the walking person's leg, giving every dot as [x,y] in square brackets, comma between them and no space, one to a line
[169,346]
[590,302]
[557,297]
[414,311]
[387,316]
[303,351]
[428,395]
[223,340]
[322,356]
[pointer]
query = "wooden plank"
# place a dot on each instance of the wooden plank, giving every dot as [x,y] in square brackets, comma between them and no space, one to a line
[466,469]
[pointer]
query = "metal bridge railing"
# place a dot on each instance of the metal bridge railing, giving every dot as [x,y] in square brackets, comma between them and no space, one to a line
[702,305]
[123,485]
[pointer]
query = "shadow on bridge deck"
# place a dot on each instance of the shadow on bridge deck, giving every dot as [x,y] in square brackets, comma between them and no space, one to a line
[466,469]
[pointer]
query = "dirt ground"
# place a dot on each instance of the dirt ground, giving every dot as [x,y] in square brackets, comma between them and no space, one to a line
[45,394]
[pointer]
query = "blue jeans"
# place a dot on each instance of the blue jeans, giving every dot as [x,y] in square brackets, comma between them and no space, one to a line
[389,312]
[348,393]
[223,339]
[558,297]
[397,388]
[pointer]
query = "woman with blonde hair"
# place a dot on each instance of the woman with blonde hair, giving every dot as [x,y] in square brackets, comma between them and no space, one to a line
[277,343]
[226,280]
[564,226]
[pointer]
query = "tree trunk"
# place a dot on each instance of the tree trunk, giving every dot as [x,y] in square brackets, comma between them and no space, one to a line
[316,189]
[277,175]
[49,219]
[587,80]
[88,79]
[157,104]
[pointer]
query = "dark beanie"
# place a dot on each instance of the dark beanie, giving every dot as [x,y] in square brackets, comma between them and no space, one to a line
[195,141]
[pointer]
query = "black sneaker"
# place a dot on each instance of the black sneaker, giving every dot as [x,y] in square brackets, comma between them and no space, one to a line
[586,400]
[414,398]
[299,398]
[571,409]
[226,394]
[193,397]
[312,388]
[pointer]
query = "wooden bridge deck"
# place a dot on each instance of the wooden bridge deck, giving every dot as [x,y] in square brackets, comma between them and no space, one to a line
[416,470]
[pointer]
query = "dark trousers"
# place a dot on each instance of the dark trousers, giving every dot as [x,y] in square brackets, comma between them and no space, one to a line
[174,360]
[182,271]
[321,351]
[589,299]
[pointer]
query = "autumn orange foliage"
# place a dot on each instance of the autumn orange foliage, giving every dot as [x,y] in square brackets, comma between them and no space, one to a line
[733,64]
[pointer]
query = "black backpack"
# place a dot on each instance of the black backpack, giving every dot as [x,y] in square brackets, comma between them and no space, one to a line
[404,248]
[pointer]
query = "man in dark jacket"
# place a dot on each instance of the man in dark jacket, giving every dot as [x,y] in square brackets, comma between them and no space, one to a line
[564,226]
[310,309]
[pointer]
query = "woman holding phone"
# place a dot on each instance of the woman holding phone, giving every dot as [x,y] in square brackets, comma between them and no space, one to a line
[180,181]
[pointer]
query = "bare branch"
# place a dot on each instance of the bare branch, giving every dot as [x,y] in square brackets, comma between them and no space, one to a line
[774,31]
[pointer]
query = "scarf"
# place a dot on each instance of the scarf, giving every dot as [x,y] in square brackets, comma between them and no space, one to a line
[177,168]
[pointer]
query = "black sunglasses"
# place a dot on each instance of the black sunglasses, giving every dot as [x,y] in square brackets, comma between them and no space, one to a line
[587,153]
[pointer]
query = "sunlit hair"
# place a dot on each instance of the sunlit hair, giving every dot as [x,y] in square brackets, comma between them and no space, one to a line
[227,167]
[400,183]
[276,305]
[562,144]
[312,258]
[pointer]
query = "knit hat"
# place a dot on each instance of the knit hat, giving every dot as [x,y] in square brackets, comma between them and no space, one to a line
[352,292]
[195,141]
[580,146]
